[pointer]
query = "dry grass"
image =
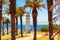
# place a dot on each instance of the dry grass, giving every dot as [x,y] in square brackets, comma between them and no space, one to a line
[46,38]
[25,35]
[43,38]
[5,37]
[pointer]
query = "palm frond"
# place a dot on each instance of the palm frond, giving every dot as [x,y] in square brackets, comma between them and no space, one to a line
[40,1]
[20,11]
[39,9]
[28,1]
[7,11]
[52,7]
[5,2]
[30,10]
[35,0]
[55,19]
[28,5]
[7,20]
[41,6]
[0,0]
[55,13]
[16,15]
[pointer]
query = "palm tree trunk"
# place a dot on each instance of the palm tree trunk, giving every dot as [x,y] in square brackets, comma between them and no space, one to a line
[0,17]
[35,26]
[50,2]
[21,25]
[7,28]
[3,29]
[13,28]
[13,11]
[34,15]
[16,25]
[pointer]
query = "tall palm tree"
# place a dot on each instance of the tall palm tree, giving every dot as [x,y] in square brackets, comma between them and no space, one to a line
[7,21]
[20,12]
[12,12]
[0,16]
[50,2]
[3,19]
[7,11]
[34,4]
[1,2]
[16,25]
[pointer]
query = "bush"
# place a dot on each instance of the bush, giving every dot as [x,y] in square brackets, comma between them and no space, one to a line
[46,28]
[56,27]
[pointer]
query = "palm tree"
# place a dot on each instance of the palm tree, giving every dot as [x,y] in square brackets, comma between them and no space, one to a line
[16,25]
[34,4]
[3,19]
[12,12]
[0,16]
[50,2]
[57,2]
[7,11]
[1,3]
[20,12]
[7,21]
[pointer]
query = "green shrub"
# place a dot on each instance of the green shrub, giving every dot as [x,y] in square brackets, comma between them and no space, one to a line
[46,28]
[56,27]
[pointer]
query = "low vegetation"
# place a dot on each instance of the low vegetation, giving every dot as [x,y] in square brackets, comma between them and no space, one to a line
[45,28]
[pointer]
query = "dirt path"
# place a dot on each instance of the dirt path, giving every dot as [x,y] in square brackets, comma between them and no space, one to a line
[29,38]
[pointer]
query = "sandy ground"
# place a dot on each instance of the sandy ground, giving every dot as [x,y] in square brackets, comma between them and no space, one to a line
[31,35]
[29,38]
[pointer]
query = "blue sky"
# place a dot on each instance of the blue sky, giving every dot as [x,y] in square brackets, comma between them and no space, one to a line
[42,15]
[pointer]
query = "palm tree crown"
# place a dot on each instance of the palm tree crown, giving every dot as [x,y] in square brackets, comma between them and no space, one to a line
[20,11]
[7,21]
[34,4]
[7,11]
[4,1]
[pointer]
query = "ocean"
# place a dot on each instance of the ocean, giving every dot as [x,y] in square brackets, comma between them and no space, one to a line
[24,27]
